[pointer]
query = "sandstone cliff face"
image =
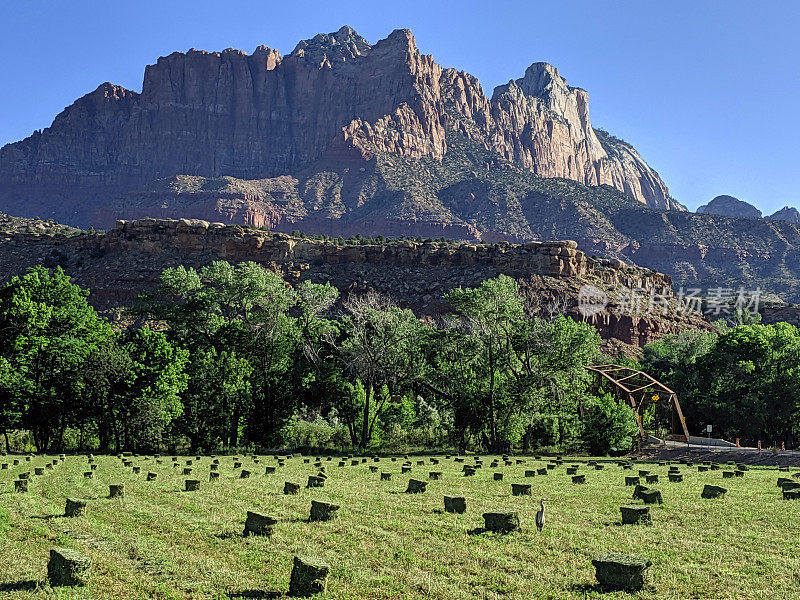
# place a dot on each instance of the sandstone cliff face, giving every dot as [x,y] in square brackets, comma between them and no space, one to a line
[119,265]
[334,98]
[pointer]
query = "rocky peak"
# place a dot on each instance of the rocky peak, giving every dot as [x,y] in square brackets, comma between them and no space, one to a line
[729,206]
[334,100]
[338,46]
[787,213]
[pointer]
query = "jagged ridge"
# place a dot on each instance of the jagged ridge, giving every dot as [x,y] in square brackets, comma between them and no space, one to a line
[335,98]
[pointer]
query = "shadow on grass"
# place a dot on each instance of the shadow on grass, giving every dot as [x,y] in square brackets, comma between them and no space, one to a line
[254,594]
[595,588]
[227,535]
[29,585]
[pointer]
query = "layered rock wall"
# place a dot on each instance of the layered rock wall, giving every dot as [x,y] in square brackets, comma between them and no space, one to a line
[334,98]
[119,265]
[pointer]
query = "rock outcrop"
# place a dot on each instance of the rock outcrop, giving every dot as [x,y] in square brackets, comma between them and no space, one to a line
[334,103]
[729,206]
[121,264]
[788,214]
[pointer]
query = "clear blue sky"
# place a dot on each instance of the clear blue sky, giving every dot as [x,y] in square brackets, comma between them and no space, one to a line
[706,90]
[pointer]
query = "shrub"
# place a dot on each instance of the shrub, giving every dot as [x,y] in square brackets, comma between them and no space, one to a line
[609,426]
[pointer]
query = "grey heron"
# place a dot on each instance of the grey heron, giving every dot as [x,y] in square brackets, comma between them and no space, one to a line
[540,514]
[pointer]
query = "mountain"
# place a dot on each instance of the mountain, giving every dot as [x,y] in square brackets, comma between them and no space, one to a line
[335,103]
[788,214]
[730,207]
[342,137]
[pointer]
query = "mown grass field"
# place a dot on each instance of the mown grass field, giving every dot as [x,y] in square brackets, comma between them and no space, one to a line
[161,542]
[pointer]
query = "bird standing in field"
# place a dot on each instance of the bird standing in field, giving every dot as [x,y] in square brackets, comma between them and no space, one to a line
[540,515]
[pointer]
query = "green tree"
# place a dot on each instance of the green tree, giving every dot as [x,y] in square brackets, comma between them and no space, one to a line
[157,379]
[487,315]
[217,384]
[378,345]
[673,360]
[749,383]
[47,330]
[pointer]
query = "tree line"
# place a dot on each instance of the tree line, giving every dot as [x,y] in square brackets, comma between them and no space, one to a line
[232,356]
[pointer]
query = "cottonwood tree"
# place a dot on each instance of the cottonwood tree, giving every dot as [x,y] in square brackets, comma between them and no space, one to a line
[487,315]
[378,345]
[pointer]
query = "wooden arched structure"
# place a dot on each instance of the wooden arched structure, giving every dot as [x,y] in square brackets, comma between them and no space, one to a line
[639,389]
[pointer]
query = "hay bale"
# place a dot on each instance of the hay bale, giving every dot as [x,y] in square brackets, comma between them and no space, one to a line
[651,496]
[244,474]
[651,479]
[572,470]
[214,467]
[631,481]
[323,511]
[530,473]
[598,467]
[213,476]
[738,473]
[116,490]
[151,476]
[373,469]
[191,485]
[498,476]
[68,568]
[520,489]
[579,479]
[469,471]
[137,470]
[455,504]
[309,576]
[621,571]
[315,481]
[713,491]
[258,524]
[25,475]
[434,475]
[88,475]
[790,485]
[501,522]
[643,473]
[405,470]
[187,471]
[386,476]
[541,471]
[75,508]
[637,491]
[21,485]
[38,471]
[727,474]
[635,514]
[415,486]
[791,494]
[702,469]
[291,489]
[714,467]
[675,477]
